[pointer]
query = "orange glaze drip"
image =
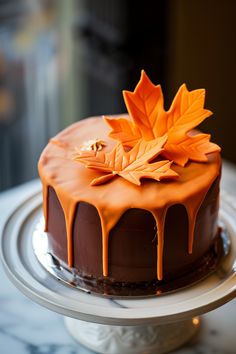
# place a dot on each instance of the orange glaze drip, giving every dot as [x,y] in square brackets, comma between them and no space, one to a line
[160,216]
[69,208]
[71,182]
[45,205]
[108,221]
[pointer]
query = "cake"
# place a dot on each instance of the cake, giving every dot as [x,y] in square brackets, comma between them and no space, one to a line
[131,201]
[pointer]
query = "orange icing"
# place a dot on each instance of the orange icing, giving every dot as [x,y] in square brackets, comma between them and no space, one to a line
[150,120]
[71,182]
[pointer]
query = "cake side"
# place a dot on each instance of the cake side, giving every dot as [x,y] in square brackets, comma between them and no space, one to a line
[132,248]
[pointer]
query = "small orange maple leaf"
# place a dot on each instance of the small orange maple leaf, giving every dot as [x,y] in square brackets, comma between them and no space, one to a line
[193,148]
[150,120]
[132,165]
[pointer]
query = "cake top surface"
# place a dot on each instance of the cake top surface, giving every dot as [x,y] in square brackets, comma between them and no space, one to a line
[65,174]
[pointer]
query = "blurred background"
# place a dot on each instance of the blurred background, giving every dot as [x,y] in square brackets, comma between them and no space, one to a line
[64,60]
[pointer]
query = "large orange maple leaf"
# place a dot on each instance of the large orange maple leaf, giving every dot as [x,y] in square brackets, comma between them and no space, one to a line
[131,165]
[150,120]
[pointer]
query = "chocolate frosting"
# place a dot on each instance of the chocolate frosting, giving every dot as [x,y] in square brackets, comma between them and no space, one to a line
[123,231]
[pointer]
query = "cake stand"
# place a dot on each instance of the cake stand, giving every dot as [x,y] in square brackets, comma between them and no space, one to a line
[110,325]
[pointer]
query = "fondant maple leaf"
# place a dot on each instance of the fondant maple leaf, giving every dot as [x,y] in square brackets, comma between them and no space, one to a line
[150,120]
[132,165]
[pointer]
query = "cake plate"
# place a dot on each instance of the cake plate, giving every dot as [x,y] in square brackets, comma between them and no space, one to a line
[110,325]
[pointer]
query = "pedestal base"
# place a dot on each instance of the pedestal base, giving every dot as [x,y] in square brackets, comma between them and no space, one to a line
[149,339]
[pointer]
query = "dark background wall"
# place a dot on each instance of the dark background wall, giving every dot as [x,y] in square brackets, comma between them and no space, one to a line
[61,61]
[202,52]
[116,40]
[175,42]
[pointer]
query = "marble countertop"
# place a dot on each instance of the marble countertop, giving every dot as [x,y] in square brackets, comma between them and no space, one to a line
[28,328]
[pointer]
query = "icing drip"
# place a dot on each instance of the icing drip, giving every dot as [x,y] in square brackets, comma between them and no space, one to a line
[160,223]
[71,182]
[45,205]
[69,208]
[69,213]
[107,223]
[105,237]
[192,214]
[192,207]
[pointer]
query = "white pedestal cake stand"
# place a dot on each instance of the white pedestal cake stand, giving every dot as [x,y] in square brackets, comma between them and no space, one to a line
[108,325]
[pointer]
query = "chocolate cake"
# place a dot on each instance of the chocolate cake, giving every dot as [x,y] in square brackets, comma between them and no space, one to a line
[144,212]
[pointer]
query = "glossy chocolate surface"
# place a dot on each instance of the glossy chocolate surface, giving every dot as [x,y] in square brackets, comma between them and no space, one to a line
[133,241]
